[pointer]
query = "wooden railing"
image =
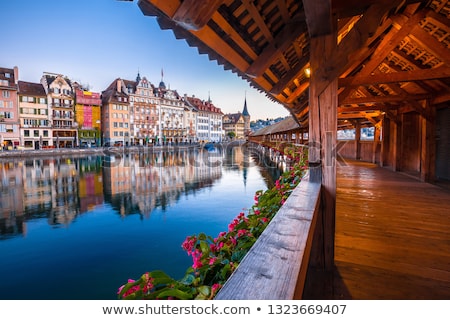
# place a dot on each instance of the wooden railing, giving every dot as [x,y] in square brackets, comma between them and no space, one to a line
[275,267]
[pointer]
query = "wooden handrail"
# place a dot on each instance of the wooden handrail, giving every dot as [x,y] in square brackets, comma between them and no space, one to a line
[275,267]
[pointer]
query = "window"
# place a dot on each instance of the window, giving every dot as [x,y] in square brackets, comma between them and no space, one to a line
[26,133]
[36,133]
[5,94]
[42,101]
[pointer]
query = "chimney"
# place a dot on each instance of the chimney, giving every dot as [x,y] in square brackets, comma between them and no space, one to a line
[16,74]
[119,85]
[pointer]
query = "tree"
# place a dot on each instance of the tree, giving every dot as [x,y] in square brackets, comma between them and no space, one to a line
[231,134]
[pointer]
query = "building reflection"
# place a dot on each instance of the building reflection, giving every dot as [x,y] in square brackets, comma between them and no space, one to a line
[61,189]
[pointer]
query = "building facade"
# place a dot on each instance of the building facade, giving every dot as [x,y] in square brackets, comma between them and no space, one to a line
[143,111]
[209,120]
[9,116]
[35,129]
[115,121]
[237,125]
[88,117]
[171,116]
[60,99]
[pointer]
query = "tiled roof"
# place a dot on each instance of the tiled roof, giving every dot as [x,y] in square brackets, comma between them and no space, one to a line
[31,89]
[282,126]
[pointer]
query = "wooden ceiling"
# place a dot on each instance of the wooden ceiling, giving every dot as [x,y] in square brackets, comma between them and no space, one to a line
[393,57]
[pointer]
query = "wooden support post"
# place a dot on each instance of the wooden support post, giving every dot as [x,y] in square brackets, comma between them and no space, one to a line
[397,147]
[357,125]
[376,140]
[323,143]
[428,153]
[385,142]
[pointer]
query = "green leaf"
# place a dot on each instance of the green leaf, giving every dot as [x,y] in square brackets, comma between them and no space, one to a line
[187,279]
[204,247]
[204,290]
[176,293]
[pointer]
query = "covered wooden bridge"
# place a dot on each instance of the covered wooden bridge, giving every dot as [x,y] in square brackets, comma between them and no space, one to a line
[361,230]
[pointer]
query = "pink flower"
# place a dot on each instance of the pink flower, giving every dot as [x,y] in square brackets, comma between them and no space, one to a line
[196,258]
[148,285]
[130,291]
[257,212]
[215,287]
[277,184]
[241,232]
[212,260]
[188,244]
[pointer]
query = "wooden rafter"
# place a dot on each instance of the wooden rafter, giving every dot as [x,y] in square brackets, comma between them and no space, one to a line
[275,48]
[194,14]
[393,77]
[385,99]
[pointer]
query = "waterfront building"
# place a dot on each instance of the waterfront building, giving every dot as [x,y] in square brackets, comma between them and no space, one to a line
[171,112]
[115,120]
[88,117]
[35,129]
[209,120]
[234,123]
[9,118]
[190,121]
[143,111]
[60,98]
[238,123]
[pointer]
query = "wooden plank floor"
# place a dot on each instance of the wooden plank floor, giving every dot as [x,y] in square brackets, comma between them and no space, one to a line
[392,236]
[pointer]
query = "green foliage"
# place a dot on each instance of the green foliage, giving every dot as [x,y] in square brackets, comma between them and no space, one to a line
[215,259]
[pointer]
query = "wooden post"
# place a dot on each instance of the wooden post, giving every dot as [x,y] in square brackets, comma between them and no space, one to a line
[385,142]
[322,142]
[376,140]
[397,147]
[428,153]
[357,125]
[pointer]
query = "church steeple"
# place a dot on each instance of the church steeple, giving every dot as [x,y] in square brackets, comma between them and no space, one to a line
[138,78]
[245,111]
[246,116]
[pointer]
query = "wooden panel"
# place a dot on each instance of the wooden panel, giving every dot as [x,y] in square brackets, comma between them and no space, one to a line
[346,149]
[411,143]
[443,144]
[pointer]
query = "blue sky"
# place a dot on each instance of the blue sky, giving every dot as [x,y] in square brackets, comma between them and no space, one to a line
[96,41]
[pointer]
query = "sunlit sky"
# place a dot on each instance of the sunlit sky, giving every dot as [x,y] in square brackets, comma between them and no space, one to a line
[94,42]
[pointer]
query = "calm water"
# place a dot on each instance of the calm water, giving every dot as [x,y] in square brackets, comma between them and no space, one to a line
[78,228]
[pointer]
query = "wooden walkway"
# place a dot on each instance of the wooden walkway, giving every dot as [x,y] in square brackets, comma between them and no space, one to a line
[392,237]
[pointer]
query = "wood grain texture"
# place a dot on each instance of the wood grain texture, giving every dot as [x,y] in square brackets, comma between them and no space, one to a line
[392,237]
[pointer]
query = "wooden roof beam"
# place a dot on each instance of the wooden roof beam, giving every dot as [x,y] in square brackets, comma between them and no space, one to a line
[431,44]
[355,41]
[319,17]
[389,43]
[276,48]
[194,14]
[385,99]
[393,77]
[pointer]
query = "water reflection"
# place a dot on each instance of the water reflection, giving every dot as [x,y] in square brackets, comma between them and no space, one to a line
[61,189]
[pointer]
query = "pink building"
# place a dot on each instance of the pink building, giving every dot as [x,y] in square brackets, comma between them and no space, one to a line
[9,115]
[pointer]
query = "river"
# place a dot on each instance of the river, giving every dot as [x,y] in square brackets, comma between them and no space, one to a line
[77,227]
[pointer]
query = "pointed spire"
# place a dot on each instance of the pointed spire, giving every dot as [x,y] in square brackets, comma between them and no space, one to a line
[138,78]
[245,111]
